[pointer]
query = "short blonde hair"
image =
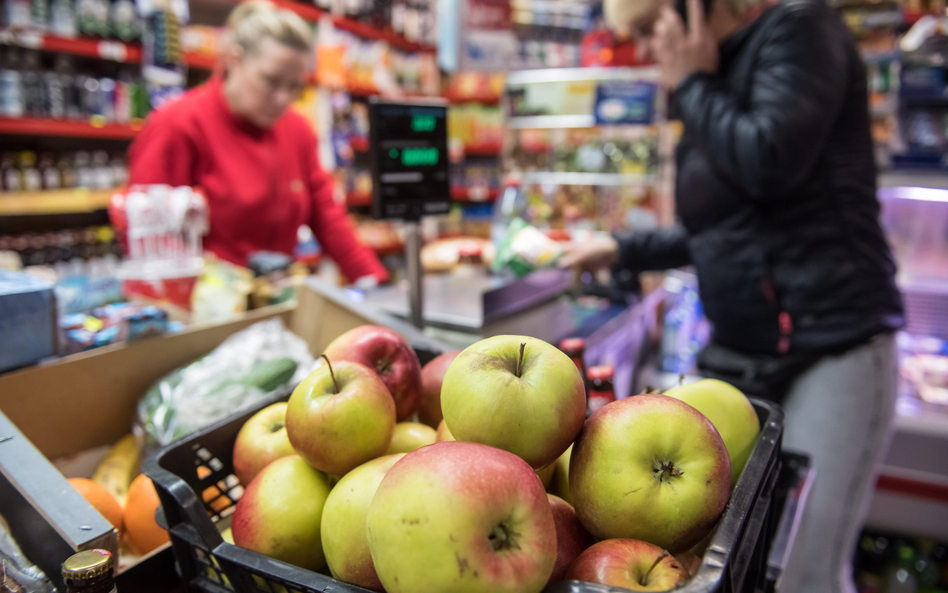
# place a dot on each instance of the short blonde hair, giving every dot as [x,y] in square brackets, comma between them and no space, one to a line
[619,14]
[251,21]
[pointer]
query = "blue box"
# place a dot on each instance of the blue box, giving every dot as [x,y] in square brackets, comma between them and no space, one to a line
[27,320]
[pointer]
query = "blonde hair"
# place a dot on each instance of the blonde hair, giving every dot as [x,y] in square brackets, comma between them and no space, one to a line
[619,14]
[251,21]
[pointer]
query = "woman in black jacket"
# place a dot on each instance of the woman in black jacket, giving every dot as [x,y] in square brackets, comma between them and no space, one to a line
[775,193]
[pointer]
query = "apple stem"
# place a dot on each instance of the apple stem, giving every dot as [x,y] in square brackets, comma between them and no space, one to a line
[335,385]
[520,362]
[664,555]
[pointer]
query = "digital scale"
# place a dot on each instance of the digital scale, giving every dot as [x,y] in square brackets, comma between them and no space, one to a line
[408,151]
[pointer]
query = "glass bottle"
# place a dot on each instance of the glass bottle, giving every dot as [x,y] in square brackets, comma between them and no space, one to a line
[575,348]
[49,174]
[601,389]
[91,571]
[32,181]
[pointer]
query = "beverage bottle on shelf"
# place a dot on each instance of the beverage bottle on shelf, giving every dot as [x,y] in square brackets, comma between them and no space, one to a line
[122,99]
[39,15]
[67,173]
[102,170]
[90,571]
[16,13]
[601,388]
[55,97]
[84,173]
[11,85]
[34,93]
[119,170]
[62,18]
[49,173]
[106,99]
[32,181]
[72,102]
[124,22]
[12,179]
[92,17]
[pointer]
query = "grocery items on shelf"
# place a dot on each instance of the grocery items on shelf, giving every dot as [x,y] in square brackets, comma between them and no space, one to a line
[34,86]
[105,18]
[90,251]
[899,563]
[120,322]
[415,20]
[23,172]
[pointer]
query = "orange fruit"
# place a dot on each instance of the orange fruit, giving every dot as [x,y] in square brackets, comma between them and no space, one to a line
[140,524]
[100,499]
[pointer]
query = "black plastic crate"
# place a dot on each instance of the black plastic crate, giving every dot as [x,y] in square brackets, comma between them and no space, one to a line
[735,561]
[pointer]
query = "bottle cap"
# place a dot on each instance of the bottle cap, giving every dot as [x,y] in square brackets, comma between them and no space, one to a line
[601,373]
[86,565]
[573,344]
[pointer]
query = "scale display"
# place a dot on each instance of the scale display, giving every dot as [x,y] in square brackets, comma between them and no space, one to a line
[409,153]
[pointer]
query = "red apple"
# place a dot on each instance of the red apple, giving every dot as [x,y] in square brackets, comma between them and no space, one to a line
[340,417]
[386,353]
[571,537]
[629,563]
[261,440]
[432,374]
[461,517]
[652,468]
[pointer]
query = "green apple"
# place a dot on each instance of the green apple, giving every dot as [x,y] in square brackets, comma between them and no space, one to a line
[560,486]
[409,436]
[280,513]
[628,563]
[343,527]
[515,393]
[340,416]
[261,440]
[651,468]
[443,434]
[730,412]
[461,517]
[546,474]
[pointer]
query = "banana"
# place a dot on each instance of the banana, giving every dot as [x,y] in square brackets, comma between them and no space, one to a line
[119,468]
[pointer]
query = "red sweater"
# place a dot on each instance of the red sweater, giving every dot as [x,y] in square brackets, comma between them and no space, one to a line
[261,185]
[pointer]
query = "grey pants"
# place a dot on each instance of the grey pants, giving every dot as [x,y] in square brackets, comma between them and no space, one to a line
[840,412]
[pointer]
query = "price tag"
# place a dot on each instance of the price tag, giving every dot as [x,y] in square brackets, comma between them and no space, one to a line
[112,50]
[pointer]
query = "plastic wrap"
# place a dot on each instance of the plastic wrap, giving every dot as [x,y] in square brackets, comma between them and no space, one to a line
[17,573]
[238,374]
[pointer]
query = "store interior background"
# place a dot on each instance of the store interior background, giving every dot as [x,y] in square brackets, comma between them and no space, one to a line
[521,77]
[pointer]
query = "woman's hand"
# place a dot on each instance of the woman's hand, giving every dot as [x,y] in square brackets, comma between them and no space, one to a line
[680,53]
[592,254]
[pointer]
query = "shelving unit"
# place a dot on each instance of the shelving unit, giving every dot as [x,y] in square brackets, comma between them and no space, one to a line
[68,129]
[71,201]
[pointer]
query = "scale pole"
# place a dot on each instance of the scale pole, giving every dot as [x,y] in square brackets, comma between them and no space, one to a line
[415,273]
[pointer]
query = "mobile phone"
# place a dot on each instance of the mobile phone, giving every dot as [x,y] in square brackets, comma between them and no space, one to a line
[682,7]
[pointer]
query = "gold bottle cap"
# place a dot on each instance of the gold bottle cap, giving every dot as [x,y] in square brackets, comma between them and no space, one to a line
[86,565]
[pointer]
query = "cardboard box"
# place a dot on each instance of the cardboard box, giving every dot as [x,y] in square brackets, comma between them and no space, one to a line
[87,401]
[27,320]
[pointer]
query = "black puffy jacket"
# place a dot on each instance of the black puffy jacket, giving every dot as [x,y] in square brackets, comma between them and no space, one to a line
[776,191]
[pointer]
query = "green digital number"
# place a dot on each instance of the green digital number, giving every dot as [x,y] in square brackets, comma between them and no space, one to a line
[419,157]
[423,123]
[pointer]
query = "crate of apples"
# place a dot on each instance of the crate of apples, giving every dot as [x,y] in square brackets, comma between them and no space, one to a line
[514,490]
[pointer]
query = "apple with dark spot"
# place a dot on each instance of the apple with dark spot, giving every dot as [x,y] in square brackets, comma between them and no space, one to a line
[461,517]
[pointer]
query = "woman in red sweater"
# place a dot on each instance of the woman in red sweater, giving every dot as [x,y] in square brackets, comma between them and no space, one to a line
[256,161]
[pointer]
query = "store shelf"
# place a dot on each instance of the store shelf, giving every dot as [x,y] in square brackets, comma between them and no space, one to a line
[476,195]
[92,47]
[313,14]
[551,121]
[910,180]
[601,179]
[73,201]
[68,129]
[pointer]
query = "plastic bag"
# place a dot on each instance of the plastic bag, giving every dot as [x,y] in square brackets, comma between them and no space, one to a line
[17,573]
[241,372]
[525,249]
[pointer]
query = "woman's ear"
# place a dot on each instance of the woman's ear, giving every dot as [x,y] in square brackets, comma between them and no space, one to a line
[232,56]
